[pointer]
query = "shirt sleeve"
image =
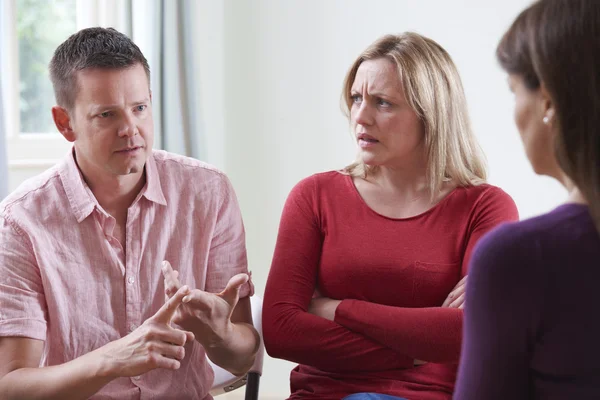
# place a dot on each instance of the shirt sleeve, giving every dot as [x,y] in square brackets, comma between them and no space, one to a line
[500,319]
[492,208]
[227,254]
[22,302]
[429,334]
[289,331]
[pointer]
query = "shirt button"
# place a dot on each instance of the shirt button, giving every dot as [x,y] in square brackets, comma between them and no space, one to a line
[130,280]
[132,327]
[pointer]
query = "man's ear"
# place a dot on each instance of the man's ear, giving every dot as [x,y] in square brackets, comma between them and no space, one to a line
[62,120]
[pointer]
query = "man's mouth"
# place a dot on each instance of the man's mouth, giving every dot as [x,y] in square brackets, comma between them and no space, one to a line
[129,149]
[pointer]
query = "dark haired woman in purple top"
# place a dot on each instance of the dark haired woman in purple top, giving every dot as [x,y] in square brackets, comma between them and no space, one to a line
[532,323]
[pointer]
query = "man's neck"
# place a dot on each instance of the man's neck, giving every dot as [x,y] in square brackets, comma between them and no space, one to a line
[116,195]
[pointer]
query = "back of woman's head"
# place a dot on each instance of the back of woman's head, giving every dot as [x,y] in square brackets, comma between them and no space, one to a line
[433,89]
[556,44]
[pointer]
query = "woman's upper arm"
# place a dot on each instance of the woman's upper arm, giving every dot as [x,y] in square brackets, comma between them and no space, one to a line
[493,208]
[502,304]
[293,273]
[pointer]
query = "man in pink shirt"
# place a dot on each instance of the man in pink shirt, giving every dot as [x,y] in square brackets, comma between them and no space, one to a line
[82,296]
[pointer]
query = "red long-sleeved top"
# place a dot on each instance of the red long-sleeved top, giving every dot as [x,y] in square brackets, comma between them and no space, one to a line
[392,275]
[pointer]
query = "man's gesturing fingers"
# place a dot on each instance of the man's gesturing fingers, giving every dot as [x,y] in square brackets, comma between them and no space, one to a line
[168,309]
[171,278]
[231,294]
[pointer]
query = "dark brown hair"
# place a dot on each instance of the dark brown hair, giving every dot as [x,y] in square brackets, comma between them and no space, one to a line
[91,48]
[556,43]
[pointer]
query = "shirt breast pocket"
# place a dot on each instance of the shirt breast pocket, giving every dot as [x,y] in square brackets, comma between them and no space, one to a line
[433,282]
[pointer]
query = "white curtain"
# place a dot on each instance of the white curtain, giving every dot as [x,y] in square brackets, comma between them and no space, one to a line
[106,13]
[175,94]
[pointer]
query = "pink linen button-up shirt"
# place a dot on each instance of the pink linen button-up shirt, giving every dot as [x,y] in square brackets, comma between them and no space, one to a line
[66,280]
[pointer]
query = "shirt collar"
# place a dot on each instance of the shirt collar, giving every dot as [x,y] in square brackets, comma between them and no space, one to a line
[82,203]
[153,189]
[81,198]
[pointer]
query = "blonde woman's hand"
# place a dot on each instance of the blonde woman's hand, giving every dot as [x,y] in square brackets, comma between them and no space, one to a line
[456,298]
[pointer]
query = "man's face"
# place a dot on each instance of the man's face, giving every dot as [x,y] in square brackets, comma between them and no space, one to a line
[112,121]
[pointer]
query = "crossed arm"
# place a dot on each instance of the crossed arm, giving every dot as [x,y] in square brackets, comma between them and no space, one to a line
[421,339]
[356,329]
[430,334]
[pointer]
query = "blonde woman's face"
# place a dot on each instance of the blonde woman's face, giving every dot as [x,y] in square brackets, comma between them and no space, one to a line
[387,130]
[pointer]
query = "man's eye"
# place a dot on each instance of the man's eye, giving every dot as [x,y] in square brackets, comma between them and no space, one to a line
[105,114]
[141,107]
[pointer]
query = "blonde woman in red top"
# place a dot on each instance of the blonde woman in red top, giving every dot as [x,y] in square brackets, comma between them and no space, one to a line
[368,277]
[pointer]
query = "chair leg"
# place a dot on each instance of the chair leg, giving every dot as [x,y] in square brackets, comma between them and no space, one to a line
[252,386]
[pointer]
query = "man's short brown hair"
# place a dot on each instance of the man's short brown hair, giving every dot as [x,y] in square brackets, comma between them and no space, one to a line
[91,48]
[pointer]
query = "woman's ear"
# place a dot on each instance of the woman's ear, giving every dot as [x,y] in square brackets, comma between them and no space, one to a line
[548,110]
[62,120]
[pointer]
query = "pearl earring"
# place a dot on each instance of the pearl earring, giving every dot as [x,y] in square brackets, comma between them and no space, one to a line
[546,120]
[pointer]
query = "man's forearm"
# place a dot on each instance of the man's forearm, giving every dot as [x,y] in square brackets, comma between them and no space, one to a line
[74,380]
[237,351]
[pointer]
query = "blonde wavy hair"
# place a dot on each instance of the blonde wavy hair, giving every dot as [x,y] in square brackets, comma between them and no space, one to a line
[434,90]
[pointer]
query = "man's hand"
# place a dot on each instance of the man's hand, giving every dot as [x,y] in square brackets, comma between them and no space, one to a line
[208,315]
[456,298]
[323,307]
[155,344]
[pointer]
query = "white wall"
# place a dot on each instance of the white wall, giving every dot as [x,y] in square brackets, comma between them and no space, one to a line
[273,82]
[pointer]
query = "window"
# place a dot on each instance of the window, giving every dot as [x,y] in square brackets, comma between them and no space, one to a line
[41,26]
[30,32]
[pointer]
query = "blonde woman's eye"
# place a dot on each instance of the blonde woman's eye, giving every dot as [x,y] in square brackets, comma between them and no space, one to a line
[383,102]
[356,98]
